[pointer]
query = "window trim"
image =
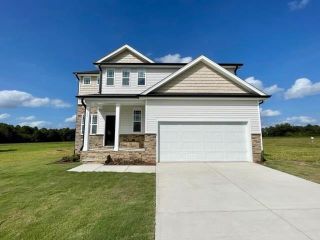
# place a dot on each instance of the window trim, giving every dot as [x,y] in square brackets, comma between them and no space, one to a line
[145,77]
[128,70]
[91,124]
[133,121]
[84,78]
[98,80]
[114,77]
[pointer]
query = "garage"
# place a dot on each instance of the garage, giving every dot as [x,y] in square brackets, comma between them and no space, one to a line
[203,142]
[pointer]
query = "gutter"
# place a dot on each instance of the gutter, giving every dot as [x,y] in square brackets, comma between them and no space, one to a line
[84,121]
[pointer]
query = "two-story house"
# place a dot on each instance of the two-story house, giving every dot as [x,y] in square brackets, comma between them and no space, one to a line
[135,109]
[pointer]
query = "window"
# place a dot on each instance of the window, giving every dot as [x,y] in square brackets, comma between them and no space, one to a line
[110,77]
[137,120]
[82,124]
[98,80]
[125,78]
[93,123]
[86,80]
[141,77]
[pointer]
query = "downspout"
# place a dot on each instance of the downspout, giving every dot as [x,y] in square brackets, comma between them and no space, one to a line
[100,82]
[84,120]
[235,70]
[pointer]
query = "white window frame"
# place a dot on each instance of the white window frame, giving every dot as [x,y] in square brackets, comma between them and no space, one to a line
[91,124]
[134,121]
[82,124]
[83,82]
[98,80]
[145,77]
[114,73]
[125,70]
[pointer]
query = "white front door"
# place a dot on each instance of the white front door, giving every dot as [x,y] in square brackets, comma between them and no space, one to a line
[200,142]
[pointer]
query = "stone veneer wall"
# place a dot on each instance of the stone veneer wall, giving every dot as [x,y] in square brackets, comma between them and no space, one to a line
[256,147]
[138,138]
[95,141]
[78,136]
[150,145]
[146,156]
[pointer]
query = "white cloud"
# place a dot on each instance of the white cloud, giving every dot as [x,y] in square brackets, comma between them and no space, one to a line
[4,116]
[298,4]
[39,124]
[174,58]
[269,113]
[259,84]
[27,118]
[301,88]
[300,120]
[71,119]
[14,98]
[58,103]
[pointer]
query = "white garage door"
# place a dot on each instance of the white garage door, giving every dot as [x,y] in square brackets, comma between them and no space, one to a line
[198,142]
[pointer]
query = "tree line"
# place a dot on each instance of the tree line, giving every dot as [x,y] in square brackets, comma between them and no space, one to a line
[16,134]
[288,130]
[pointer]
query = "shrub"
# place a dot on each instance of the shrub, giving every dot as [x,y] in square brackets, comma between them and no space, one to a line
[70,158]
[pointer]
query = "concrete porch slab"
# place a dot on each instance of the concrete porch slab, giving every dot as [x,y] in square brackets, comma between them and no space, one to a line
[98,167]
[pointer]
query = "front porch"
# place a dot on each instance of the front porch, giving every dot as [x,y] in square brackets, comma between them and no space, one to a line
[109,129]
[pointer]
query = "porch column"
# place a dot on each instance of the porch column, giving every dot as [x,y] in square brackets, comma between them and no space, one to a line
[86,129]
[117,126]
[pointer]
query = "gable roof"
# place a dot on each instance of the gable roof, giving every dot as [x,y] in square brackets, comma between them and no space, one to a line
[122,49]
[215,67]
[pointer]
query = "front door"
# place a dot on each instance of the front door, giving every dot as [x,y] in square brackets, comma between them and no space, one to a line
[110,127]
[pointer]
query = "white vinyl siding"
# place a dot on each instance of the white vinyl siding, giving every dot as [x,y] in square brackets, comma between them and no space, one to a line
[153,75]
[202,110]
[126,118]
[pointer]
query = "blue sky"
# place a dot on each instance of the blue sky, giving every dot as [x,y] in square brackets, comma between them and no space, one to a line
[43,42]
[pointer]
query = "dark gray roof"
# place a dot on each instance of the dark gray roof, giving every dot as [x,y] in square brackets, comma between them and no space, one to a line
[220,95]
[88,72]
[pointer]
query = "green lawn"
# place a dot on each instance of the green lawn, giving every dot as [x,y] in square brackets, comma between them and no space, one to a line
[39,199]
[294,155]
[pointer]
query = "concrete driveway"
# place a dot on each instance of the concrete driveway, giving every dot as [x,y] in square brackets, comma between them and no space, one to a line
[234,201]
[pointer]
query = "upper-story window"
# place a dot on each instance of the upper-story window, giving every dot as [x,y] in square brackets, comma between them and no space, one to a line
[110,77]
[141,77]
[125,77]
[86,80]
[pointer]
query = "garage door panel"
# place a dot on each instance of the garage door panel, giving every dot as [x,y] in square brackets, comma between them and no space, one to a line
[183,141]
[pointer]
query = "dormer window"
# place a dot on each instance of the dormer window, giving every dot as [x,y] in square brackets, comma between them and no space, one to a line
[141,77]
[86,80]
[110,77]
[125,77]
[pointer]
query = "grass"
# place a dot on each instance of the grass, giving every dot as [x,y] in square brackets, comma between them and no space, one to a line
[294,155]
[39,199]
